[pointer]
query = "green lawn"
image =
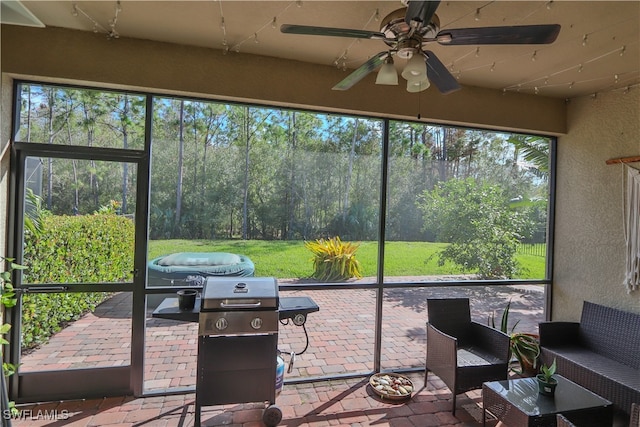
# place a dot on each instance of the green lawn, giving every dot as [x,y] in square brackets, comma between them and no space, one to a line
[290,259]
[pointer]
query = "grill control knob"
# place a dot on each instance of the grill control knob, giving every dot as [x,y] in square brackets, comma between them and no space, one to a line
[222,324]
[256,323]
[299,319]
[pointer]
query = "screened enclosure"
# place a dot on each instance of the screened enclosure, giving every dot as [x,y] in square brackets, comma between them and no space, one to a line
[421,206]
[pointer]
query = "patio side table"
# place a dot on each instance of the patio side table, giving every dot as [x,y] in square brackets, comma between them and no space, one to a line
[516,403]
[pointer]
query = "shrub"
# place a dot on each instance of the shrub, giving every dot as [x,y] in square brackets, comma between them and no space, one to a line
[72,249]
[476,220]
[80,249]
[334,260]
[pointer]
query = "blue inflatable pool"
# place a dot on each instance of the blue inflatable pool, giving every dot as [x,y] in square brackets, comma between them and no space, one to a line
[177,267]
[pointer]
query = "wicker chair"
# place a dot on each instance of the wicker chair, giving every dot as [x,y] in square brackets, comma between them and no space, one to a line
[464,354]
[562,421]
[634,421]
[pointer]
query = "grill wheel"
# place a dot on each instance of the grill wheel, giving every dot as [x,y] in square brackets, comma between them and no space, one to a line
[272,416]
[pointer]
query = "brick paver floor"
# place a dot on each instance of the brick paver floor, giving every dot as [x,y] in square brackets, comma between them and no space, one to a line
[327,403]
[341,337]
[342,403]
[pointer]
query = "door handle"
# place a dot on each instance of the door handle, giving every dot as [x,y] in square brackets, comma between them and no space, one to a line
[41,289]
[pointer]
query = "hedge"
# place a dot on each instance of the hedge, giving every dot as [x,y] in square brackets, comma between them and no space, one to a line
[72,249]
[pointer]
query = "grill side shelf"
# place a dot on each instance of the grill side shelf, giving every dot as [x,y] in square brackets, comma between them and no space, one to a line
[289,308]
[168,309]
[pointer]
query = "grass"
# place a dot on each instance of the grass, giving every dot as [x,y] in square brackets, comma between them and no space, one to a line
[533,266]
[290,259]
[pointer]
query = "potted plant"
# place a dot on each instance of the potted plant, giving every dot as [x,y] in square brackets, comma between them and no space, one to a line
[546,382]
[524,346]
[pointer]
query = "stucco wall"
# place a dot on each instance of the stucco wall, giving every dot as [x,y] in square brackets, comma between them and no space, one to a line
[5,128]
[589,240]
[76,57]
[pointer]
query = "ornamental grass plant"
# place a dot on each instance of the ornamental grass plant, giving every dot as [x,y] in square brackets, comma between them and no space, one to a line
[334,260]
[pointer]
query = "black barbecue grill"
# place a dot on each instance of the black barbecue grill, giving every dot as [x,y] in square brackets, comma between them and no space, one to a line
[237,344]
[237,337]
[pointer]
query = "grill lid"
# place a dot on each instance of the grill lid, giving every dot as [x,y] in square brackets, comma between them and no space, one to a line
[240,293]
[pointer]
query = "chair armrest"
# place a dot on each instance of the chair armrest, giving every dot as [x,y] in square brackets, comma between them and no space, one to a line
[557,333]
[442,354]
[491,340]
[441,348]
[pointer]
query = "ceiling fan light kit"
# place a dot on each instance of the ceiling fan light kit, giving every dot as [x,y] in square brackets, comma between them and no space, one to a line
[416,68]
[407,31]
[387,74]
[414,86]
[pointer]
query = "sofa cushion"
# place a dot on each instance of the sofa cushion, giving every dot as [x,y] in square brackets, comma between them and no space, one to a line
[614,381]
[602,366]
[473,356]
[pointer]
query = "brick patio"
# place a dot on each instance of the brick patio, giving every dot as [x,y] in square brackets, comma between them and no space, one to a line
[341,341]
[326,403]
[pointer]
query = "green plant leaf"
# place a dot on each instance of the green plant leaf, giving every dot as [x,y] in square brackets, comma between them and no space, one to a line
[15,266]
[548,371]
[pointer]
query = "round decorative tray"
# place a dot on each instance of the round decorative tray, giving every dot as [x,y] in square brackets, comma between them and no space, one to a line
[391,386]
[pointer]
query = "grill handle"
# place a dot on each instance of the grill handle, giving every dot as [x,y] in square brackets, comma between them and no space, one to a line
[240,305]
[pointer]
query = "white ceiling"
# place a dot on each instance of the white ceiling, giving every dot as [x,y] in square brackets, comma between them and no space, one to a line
[598,48]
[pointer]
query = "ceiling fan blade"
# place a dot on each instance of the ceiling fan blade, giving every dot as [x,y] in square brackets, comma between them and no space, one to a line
[438,74]
[522,34]
[361,72]
[327,31]
[421,11]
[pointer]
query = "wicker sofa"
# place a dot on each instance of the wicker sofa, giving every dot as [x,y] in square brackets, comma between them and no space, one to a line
[601,352]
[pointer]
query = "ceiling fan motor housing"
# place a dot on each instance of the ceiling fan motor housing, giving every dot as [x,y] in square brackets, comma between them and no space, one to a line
[407,39]
[407,48]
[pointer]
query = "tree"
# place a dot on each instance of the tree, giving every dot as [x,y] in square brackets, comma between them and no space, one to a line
[232,170]
[535,150]
[57,107]
[476,220]
[180,169]
[129,116]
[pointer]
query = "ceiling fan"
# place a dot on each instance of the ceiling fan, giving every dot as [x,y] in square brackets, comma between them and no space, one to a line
[408,30]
